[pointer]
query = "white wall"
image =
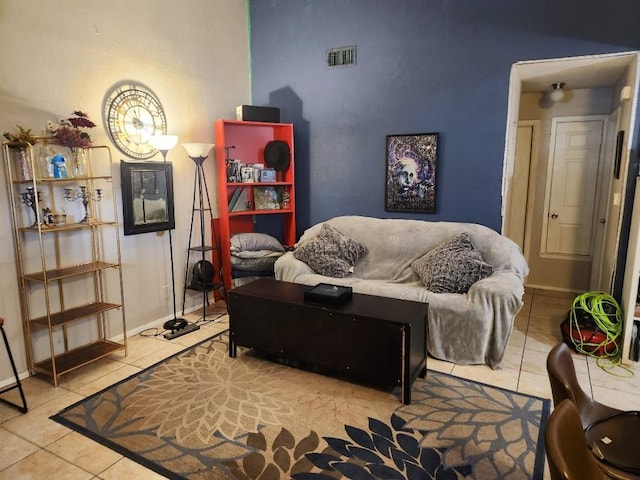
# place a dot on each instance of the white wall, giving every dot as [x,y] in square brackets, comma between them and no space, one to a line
[60,55]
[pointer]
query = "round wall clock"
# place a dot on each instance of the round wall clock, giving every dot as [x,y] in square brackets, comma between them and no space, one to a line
[132,114]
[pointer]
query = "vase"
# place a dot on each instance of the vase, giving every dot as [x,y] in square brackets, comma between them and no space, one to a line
[23,163]
[45,163]
[77,162]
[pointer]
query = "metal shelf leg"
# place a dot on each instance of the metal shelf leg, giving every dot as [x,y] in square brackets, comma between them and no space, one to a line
[18,384]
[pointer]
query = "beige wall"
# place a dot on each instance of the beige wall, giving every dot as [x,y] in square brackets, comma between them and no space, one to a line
[60,55]
[548,272]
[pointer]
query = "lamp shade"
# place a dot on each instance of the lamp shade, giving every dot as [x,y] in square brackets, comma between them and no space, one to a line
[163,142]
[197,150]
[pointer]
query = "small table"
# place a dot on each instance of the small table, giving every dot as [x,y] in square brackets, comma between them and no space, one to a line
[614,441]
[376,339]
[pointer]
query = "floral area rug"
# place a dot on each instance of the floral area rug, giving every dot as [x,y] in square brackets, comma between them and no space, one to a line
[202,415]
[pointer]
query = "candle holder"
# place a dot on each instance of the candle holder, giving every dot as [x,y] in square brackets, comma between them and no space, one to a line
[30,198]
[83,195]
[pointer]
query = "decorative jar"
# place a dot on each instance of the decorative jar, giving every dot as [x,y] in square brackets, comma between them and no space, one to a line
[77,162]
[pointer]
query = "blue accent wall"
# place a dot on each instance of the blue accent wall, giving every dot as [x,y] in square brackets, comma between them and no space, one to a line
[422,66]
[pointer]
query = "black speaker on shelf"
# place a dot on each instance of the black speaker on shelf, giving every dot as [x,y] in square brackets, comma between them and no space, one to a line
[253,113]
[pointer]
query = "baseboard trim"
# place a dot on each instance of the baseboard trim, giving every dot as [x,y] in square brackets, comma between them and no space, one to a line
[117,338]
[553,289]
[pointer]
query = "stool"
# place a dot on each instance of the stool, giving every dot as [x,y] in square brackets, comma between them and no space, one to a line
[17,385]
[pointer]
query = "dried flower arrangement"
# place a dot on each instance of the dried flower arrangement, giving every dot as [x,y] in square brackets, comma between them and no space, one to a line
[23,135]
[68,133]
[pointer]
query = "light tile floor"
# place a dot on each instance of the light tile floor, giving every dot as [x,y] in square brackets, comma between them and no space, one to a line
[34,447]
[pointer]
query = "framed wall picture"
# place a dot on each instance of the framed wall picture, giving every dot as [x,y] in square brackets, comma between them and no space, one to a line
[147,196]
[411,173]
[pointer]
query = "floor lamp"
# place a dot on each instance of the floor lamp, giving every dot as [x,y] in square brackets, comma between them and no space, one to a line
[198,152]
[164,143]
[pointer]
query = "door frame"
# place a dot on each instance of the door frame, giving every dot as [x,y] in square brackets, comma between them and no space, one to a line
[612,127]
[532,170]
[518,75]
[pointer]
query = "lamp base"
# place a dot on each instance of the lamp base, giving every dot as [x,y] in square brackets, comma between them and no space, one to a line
[175,324]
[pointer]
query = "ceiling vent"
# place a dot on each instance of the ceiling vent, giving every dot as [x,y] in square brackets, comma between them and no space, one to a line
[342,56]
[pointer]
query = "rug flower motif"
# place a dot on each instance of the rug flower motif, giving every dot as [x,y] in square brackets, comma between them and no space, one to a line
[489,427]
[202,415]
[193,396]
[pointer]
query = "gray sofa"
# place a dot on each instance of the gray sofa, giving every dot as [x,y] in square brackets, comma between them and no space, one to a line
[463,328]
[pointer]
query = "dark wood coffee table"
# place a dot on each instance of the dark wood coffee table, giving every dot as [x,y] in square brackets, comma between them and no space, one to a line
[374,339]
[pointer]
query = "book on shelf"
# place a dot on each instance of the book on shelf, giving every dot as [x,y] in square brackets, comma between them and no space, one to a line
[242,201]
[234,199]
[266,198]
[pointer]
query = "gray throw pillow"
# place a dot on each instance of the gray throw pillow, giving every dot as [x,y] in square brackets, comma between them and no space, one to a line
[330,253]
[452,267]
[253,264]
[243,242]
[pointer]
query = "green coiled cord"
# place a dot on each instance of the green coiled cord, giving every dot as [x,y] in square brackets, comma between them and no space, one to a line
[595,304]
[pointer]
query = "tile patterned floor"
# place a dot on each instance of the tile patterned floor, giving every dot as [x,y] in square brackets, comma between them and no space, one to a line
[34,447]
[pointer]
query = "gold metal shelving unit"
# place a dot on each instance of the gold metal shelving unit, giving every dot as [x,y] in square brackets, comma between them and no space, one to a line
[69,272]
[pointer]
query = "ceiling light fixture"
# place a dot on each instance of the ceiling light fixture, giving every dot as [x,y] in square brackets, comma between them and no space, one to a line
[557,91]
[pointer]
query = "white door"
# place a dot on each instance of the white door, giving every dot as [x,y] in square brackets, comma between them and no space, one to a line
[520,184]
[607,217]
[572,186]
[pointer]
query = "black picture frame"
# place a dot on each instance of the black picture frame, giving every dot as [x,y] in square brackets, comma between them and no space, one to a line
[147,197]
[411,163]
[618,158]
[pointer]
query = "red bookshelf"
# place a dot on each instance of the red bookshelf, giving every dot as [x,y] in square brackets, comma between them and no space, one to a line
[249,140]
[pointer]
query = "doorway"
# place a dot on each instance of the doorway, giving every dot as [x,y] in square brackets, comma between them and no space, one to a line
[596,85]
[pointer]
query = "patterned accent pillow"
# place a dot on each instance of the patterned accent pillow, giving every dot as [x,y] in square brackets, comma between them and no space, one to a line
[452,267]
[330,253]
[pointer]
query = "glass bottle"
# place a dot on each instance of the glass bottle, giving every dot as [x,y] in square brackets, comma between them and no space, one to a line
[77,162]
